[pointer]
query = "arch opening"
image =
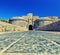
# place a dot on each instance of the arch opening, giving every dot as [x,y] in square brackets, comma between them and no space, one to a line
[30,27]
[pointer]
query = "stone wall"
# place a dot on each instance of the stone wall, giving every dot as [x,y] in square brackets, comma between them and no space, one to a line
[44,23]
[51,27]
[41,23]
[6,27]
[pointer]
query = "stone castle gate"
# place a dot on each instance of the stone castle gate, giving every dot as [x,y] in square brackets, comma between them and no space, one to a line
[31,22]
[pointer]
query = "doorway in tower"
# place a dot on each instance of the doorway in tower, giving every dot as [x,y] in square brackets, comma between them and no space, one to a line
[30,27]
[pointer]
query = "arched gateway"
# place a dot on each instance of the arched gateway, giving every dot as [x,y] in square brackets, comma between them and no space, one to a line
[30,27]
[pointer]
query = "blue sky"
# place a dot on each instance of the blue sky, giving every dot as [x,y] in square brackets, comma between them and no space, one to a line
[10,8]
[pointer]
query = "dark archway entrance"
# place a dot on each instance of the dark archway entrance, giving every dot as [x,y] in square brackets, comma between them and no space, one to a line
[30,27]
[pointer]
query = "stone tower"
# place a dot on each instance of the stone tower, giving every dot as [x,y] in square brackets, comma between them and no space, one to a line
[30,20]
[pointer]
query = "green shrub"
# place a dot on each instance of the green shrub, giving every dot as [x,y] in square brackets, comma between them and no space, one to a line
[4,20]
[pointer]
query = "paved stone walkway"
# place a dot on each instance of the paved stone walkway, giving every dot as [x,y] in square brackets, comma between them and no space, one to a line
[30,42]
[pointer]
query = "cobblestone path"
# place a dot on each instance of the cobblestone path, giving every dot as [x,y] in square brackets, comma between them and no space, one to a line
[30,42]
